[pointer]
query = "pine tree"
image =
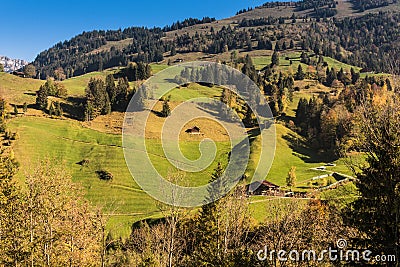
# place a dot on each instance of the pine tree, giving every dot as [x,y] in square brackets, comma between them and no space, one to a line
[89,111]
[300,75]
[355,76]
[331,76]
[173,51]
[376,212]
[51,109]
[58,109]
[166,110]
[249,68]
[388,84]
[209,243]
[284,47]
[320,60]
[302,115]
[111,88]
[291,46]
[41,97]
[248,120]
[2,107]
[97,100]
[275,59]
[15,110]
[121,93]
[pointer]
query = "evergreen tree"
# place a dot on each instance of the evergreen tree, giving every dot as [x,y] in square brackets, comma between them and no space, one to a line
[41,97]
[166,110]
[248,120]
[209,241]
[173,51]
[300,75]
[89,111]
[321,60]
[58,109]
[291,46]
[51,109]
[275,59]
[111,89]
[284,47]
[277,47]
[355,76]
[376,212]
[249,68]
[15,110]
[121,93]
[340,75]
[388,84]
[97,100]
[302,115]
[331,76]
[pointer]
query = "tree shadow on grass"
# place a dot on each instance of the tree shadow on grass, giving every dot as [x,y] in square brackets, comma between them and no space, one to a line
[303,150]
[74,108]
[158,113]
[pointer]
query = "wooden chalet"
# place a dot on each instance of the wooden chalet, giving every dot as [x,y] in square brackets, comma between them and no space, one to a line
[262,188]
[194,130]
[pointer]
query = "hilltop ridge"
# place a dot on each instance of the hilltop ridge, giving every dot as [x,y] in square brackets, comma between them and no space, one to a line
[316,26]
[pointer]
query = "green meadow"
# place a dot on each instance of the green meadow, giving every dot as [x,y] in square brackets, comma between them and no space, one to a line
[69,142]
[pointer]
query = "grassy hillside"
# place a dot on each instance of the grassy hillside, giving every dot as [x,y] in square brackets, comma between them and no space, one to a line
[69,143]
[77,85]
[292,151]
[17,90]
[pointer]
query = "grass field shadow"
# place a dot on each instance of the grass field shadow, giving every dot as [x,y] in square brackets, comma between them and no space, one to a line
[302,150]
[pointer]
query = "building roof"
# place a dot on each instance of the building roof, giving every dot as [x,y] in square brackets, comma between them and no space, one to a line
[257,184]
[195,129]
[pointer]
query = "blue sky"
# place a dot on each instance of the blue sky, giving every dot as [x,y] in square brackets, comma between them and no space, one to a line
[31,26]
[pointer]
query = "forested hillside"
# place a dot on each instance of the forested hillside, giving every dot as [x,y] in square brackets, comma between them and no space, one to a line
[359,40]
[363,5]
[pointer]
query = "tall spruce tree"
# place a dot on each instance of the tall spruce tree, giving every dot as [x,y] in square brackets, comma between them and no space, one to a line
[300,75]
[377,212]
[275,59]
[209,242]
[41,97]
[166,110]
[111,89]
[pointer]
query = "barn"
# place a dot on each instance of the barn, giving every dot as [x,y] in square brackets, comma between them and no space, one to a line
[194,130]
[262,188]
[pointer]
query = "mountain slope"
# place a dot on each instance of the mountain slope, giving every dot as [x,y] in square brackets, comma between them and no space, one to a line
[306,24]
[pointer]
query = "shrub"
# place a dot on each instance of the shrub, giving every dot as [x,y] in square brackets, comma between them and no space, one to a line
[104,175]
